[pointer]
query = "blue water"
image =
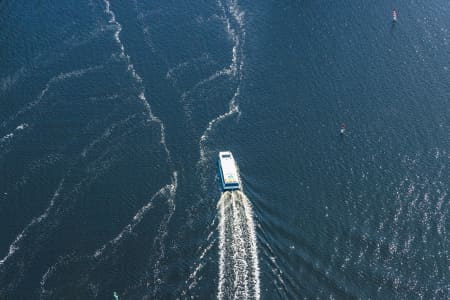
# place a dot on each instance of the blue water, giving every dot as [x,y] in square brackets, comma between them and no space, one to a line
[112,115]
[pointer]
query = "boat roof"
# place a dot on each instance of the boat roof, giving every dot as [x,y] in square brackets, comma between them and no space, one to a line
[228,165]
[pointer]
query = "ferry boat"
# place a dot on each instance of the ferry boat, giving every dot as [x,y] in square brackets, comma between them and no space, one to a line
[229,176]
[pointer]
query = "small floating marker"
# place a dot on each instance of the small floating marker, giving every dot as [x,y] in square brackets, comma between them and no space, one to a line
[116,297]
[394,15]
[342,131]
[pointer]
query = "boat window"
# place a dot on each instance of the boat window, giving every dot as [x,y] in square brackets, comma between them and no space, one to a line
[226,155]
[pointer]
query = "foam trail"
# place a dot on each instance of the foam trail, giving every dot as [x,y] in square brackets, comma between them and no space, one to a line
[185,94]
[253,243]
[48,85]
[237,64]
[199,267]
[233,108]
[234,69]
[53,209]
[191,282]
[163,232]
[170,75]
[15,245]
[45,277]
[136,76]
[224,72]
[276,269]
[61,260]
[11,134]
[147,33]
[171,71]
[169,189]
[106,134]
[221,206]
[238,254]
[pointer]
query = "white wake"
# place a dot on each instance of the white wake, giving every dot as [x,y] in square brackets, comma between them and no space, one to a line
[15,244]
[238,253]
[48,85]
[168,189]
[136,76]
[237,35]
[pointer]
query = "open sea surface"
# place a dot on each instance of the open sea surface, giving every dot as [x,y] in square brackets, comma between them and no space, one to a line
[112,114]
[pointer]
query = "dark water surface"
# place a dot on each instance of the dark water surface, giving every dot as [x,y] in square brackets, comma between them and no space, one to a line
[112,114]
